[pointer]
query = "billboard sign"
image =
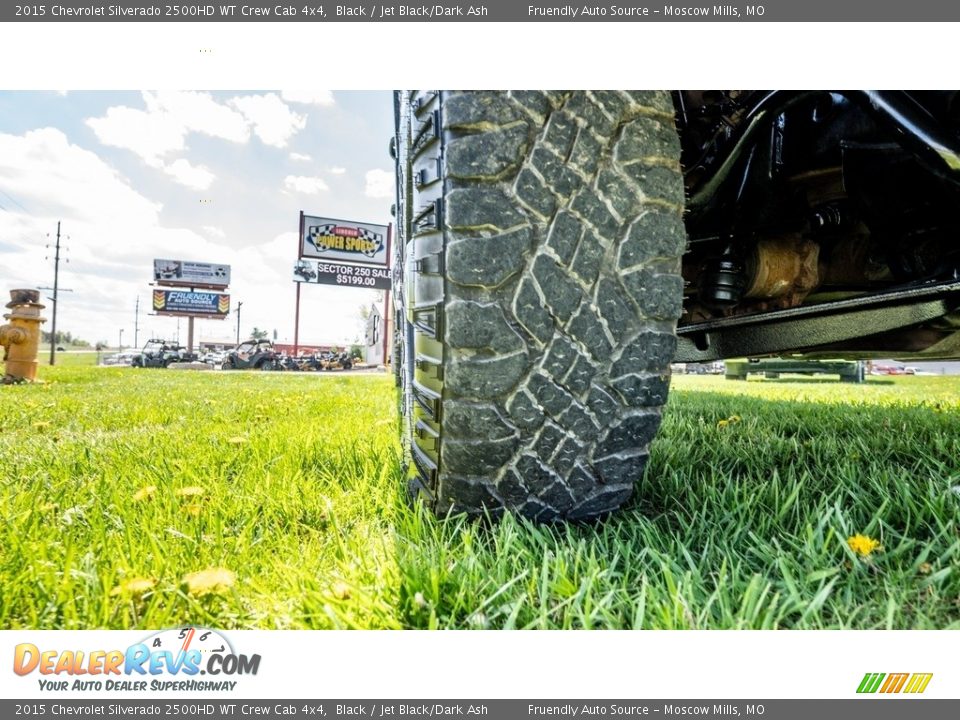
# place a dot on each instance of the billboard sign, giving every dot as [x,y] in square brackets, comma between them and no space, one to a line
[322,273]
[197,304]
[190,274]
[344,241]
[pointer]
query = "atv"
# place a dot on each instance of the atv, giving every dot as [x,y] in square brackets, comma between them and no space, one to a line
[336,361]
[305,272]
[252,355]
[558,250]
[161,353]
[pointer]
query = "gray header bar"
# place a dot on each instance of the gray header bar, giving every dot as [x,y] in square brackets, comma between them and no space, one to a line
[321,11]
[227,708]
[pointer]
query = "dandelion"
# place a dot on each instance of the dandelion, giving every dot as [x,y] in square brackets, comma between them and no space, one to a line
[341,591]
[193,509]
[144,493]
[191,491]
[732,420]
[862,545]
[722,424]
[237,440]
[134,587]
[925,568]
[211,581]
[419,600]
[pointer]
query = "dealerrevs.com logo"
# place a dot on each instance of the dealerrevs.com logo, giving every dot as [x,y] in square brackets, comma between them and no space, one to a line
[168,660]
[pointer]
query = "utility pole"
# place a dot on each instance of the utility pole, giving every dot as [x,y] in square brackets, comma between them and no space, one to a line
[56,284]
[239,305]
[136,324]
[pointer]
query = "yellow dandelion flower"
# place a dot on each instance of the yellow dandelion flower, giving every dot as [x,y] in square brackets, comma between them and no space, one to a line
[145,493]
[341,591]
[722,424]
[191,491]
[193,510]
[134,587]
[211,581]
[862,545]
[237,440]
[735,418]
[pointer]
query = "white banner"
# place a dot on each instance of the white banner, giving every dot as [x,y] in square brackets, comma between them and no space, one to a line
[480,664]
[190,274]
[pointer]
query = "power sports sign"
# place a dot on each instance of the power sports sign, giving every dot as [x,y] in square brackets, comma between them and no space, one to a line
[344,241]
[191,274]
[188,303]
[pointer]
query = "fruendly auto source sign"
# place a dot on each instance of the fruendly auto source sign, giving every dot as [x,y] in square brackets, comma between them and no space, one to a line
[191,274]
[344,241]
[183,302]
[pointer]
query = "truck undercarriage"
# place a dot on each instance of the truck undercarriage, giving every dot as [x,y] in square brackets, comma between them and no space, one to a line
[820,222]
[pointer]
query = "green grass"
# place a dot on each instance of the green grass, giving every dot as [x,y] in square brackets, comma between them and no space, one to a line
[80,358]
[741,524]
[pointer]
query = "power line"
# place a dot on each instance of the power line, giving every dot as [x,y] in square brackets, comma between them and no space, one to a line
[13,200]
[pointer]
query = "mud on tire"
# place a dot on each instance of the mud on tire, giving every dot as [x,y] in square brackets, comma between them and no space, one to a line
[540,236]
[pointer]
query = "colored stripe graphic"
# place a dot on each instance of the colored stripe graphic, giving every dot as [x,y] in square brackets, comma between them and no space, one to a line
[894,683]
[870,682]
[918,682]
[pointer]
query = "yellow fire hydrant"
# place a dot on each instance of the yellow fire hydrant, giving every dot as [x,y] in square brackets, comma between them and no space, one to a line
[20,338]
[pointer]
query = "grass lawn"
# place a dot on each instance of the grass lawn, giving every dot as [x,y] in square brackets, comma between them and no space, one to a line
[119,484]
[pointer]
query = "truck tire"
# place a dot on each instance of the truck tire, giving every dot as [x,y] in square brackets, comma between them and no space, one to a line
[540,240]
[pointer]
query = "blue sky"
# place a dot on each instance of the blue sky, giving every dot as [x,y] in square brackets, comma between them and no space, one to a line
[211,177]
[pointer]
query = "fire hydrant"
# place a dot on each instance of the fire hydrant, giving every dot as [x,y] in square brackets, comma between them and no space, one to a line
[20,338]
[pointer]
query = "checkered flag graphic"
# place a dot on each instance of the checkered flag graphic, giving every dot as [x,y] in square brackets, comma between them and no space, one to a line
[375,238]
[316,235]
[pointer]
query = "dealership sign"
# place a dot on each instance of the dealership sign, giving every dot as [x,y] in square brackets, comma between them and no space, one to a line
[183,302]
[191,274]
[344,241]
[375,278]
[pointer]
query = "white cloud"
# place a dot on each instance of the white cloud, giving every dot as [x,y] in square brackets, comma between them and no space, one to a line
[309,97]
[162,128]
[273,121]
[149,135]
[45,170]
[299,157]
[379,184]
[196,177]
[214,231]
[199,112]
[303,184]
[112,233]
[337,170]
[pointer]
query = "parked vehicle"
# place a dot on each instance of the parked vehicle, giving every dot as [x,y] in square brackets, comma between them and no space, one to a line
[213,358]
[849,370]
[162,353]
[336,361]
[252,354]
